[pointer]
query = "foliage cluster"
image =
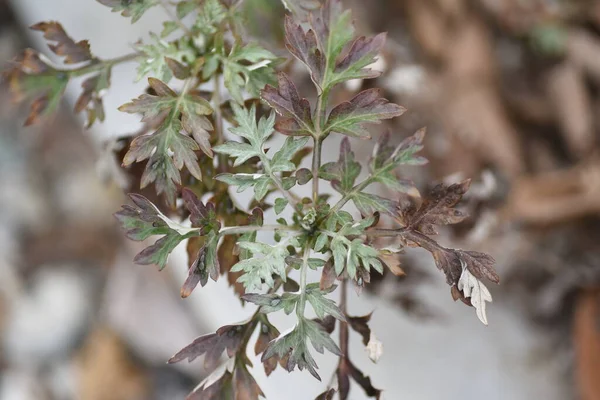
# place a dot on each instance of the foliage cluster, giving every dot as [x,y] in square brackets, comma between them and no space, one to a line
[197,166]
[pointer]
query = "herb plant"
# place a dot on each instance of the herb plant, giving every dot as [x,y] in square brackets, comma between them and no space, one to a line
[188,157]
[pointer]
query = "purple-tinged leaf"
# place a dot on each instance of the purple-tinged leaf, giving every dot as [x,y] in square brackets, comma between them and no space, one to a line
[328,276]
[227,338]
[266,334]
[361,54]
[142,221]
[286,101]
[244,385]
[204,216]
[368,106]
[303,45]
[303,175]
[221,388]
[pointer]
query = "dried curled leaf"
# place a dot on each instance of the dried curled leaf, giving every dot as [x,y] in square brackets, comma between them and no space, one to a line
[476,292]
[73,52]
[361,325]
[30,78]
[436,209]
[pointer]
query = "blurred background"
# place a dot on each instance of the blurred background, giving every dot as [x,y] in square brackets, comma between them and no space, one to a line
[510,93]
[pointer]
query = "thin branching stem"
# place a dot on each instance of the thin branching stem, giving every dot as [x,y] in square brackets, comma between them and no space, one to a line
[316,165]
[343,324]
[318,139]
[99,65]
[216,100]
[302,303]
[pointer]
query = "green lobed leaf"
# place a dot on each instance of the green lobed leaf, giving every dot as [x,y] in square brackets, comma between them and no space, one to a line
[368,204]
[248,68]
[321,304]
[261,269]
[282,160]
[155,52]
[132,8]
[293,347]
[350,253]
[280,205]
[387,158]
[210,17]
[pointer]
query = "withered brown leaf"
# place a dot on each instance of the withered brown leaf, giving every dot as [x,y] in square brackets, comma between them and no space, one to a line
[361,325]
[436,209]
[73,52]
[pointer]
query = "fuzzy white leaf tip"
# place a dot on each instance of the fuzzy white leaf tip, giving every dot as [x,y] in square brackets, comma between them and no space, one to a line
[374,348]
[476,291]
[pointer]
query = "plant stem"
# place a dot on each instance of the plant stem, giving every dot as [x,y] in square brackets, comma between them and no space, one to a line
[237,230]
[102,64]
[165,5]
[302,303]
[343,324]
[216,100]
[316,165]
[318,138]
[386,232]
